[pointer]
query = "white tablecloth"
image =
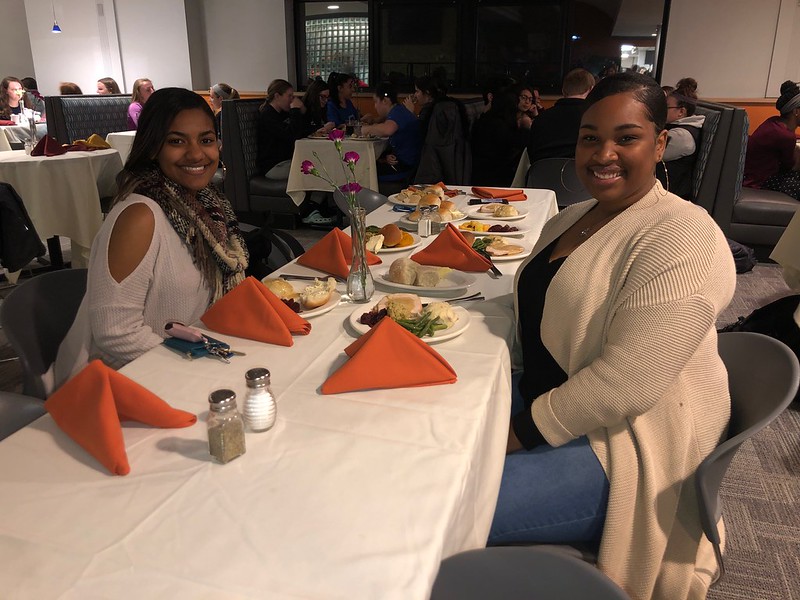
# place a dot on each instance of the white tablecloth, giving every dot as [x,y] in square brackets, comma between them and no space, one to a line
[22,133]
[121,141]
[62,193]
[366,173]
[356,495]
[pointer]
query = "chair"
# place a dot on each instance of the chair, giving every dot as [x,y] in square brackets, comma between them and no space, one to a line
[516,572]
[16,411]
[71,118]
[36,316]
[255,198]
[763,377]
[367,199]
[558,174]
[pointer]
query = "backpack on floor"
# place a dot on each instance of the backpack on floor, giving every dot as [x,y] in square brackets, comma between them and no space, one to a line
[743,256]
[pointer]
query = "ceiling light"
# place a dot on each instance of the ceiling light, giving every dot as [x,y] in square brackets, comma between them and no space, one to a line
[333,7]
[653,34]
[575,38]
[56,28]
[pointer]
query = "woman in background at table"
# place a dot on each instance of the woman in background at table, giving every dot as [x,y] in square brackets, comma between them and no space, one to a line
[68,88]
[170,246]
[340,106]
[12,98]
[400,125]
[498,142]
[32,94]
[106,86]
[528,106]
[622,392]
[683,138]
[217,93]
[315,102]
[280,123]
[142,90]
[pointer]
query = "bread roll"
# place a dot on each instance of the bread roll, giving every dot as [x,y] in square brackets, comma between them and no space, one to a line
[435,190]
[429,199]
[428,276]
[391,235]
[280,287]
[318,293]
[506,211]
[403,270]
[414,216]
[445,214]
[490,208]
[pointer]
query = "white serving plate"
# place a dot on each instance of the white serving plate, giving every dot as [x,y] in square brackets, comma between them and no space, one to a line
[520,231]
[476,214]
[453,282]
[416,243]
[527,249]
[440,336]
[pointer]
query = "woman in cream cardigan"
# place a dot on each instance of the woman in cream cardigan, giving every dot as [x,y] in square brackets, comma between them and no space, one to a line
[622,392]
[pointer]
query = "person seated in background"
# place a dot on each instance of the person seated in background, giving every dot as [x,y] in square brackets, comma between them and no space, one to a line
[12,98]
[622,392]
[35,99]
[400,125]
[340,106]
[773,159]
[142,90]
[555,132]
[68,88]
[280,123]
[106,86]
[494,84]
[217,93]
[528,106]
[683,139]
[169,248]
[315,103]
[497,142]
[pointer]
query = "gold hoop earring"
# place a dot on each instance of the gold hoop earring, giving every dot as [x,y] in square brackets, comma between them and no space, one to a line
[564,185]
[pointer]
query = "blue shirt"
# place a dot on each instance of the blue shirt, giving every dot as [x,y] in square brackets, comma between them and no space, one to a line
[339,115]
[406,142]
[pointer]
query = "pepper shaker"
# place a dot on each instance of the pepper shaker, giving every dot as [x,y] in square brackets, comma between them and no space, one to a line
[259,403]
[225,427]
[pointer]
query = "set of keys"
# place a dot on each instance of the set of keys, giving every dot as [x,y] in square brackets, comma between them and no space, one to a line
[215,348]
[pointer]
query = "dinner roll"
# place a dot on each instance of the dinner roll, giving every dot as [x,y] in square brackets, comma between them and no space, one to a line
[280,287]
[429,199]
[391,235]
[403,270]
[318,293]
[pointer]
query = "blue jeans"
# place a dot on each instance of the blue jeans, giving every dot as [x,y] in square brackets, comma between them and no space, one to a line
[550,495]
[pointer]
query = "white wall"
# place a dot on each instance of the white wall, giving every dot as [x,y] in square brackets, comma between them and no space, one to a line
[15,46]
[246,42]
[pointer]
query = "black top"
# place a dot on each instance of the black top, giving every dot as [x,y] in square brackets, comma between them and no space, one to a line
[541,372]
[679,172]
[554,132]
[277,133]
[496,148]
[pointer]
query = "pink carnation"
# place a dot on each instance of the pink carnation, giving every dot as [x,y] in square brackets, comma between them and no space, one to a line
[352,187]
[351,157]
[307,167]
[336,135]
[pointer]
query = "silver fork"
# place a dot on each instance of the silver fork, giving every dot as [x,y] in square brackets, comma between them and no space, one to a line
[470,298]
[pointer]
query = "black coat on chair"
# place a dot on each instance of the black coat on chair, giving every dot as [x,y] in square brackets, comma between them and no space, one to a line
[19,242]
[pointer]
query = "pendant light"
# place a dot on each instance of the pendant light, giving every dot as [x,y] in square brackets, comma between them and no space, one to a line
[56,28]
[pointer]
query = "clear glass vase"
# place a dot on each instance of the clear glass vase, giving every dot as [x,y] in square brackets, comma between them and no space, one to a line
[360,285]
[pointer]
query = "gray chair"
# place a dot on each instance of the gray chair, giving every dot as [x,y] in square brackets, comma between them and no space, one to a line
[36,316]
[71,118]
[517,572]
[368,199]
[557,174]
[17,411]
[763,376]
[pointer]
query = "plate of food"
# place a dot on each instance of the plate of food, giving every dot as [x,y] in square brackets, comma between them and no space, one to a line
[447,211]
[498,212]
[309,300]
[432,323]
[414,193]
[501,250]
[407,275]
[480,228]
[368,138]
[390,238]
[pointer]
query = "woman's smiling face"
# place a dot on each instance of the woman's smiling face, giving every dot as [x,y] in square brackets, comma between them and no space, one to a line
[618,150]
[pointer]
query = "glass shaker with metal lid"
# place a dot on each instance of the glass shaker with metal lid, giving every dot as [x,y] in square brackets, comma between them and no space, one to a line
[225,427]
[259,404]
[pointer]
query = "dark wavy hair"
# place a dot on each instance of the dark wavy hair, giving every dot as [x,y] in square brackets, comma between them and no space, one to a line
[157,115]
[334,81]
[644,88]
[311,100]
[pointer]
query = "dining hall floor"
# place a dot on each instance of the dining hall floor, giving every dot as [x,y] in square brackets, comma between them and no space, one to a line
[761,492]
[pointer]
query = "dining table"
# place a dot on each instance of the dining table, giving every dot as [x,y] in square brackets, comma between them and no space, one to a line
[19,134]
[122,142]
[322,151]
[350,495]
[62,193]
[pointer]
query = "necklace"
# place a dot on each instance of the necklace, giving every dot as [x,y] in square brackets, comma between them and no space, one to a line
[584,233]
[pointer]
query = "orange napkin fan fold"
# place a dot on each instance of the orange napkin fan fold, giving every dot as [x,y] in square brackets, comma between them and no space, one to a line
[252,312]
[48,146]
[387,357]
[93,142]
[333,254]
[91,405]
[510,195]
[451,249]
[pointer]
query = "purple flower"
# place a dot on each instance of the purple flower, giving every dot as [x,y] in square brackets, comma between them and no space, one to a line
[351,157]
[352,187]
[307,167]
[336,135]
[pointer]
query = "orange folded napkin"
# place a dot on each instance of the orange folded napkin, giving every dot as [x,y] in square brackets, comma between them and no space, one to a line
[448,192]
[91,405]
[386,357]
[251,311]
[48,146]
[333,254]
[510,195]
[93,142]
[451,249]
[5,122]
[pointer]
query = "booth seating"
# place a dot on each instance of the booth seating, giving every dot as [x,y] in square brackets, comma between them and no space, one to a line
[255,198]
[71,118]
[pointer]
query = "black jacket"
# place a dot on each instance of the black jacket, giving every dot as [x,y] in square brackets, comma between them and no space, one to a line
[554,132]
[19,242]
[277,133]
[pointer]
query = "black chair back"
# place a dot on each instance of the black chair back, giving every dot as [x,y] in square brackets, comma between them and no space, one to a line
[71,118]
[558,174]
[239,149]
[711,153]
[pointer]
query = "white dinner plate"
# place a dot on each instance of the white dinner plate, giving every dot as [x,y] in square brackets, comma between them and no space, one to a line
[397,199]
[417,241]
[457,329]
[520,231]
[526,251]
[408,222]
[454,281]
[476,213]
[299,286]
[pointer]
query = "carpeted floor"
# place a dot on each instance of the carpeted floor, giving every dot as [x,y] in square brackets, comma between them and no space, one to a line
[761,492]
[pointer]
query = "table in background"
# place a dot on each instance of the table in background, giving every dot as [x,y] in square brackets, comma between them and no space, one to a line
[366,171]
[355,495]
[121,141]
[62,193]
[19,134]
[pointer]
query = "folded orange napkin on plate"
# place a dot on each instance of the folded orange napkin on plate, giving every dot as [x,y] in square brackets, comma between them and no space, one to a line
[251,311]
[91,405]
[510,195]
[333,254]
[48,146]
[386,357]
[93,142]
[448,192]
[451,249]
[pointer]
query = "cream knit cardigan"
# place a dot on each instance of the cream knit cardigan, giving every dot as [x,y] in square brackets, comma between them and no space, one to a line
[630,317]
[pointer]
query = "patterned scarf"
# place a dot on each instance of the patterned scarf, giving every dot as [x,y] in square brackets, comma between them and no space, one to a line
[207,225]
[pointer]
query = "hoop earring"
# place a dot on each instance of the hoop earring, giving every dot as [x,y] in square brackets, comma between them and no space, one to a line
[666,177]
[564,185]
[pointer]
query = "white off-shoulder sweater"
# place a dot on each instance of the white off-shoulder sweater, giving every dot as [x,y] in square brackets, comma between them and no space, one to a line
[118,322]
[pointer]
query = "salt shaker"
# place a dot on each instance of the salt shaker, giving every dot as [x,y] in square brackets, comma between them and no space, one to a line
[259,403]
[225,427]
[426,217]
